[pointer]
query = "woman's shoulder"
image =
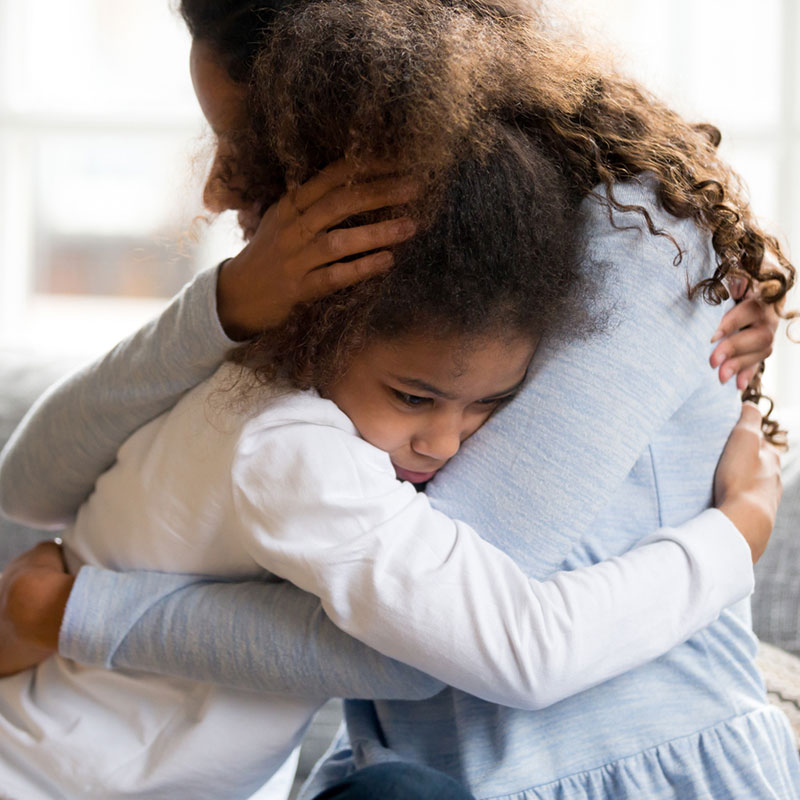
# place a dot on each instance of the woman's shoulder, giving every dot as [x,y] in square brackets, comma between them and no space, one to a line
[624,204]
[628,221]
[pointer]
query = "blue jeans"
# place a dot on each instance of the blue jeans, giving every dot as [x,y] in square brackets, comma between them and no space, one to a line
[396,781]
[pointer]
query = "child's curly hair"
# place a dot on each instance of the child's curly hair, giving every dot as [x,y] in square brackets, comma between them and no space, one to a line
[426,83]
[500,257]
[433,83]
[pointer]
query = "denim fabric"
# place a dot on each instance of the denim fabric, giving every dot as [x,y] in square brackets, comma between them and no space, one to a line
[396,781]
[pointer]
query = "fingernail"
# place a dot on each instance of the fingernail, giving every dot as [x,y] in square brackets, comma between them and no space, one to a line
[717,335]
[738,287]
[725,374]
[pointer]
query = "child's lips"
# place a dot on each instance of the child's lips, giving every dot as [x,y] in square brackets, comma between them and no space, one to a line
[413,477]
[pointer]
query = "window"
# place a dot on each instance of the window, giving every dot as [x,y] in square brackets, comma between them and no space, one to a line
[101,147]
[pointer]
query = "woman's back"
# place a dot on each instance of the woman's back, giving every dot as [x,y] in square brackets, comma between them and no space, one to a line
[640,443]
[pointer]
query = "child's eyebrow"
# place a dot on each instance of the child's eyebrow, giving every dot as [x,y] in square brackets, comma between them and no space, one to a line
[416,383]
[511,390]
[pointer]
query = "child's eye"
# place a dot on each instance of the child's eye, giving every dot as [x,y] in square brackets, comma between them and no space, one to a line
[410,399]
[497,401]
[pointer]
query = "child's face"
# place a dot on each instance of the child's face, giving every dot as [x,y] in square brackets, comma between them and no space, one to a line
[418,399]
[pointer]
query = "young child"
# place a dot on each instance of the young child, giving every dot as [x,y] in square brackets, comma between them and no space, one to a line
[382,381]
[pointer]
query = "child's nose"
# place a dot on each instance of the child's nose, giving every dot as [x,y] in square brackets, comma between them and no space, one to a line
[439,443]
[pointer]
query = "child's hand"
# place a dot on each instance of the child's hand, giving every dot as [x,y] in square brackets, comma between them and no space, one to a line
[747,484]
[747,332]
[34,589]
[294,255]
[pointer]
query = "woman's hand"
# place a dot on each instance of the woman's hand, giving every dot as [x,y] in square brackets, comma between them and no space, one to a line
[296,252]
[747,332]
[747,484]
[34,589]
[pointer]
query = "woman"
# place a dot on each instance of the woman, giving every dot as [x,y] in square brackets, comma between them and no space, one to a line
[664,435]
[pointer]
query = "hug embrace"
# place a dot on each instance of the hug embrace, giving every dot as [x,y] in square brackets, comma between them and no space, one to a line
[443,440]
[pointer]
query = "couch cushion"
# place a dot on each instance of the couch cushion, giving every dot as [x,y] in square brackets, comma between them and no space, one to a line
[776,602]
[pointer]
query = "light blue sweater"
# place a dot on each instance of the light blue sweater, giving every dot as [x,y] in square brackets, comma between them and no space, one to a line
[611,438]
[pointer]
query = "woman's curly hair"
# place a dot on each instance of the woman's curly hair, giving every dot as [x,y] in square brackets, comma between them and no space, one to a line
[429,84]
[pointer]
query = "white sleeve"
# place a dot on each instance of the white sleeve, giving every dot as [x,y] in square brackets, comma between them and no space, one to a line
[323,510]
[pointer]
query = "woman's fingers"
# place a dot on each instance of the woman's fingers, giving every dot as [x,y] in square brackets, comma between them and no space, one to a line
[336,174]
[324,280]
[346,201]
[342,243]
[747,313]
[339,173]
[34,589]
[297,237]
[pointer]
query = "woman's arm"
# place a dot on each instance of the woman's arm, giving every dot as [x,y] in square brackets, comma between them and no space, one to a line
[299,652]
[72,434]
[35,591]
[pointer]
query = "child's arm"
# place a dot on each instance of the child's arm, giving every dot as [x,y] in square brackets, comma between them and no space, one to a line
[524,644]
[517,642]
[428,591]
